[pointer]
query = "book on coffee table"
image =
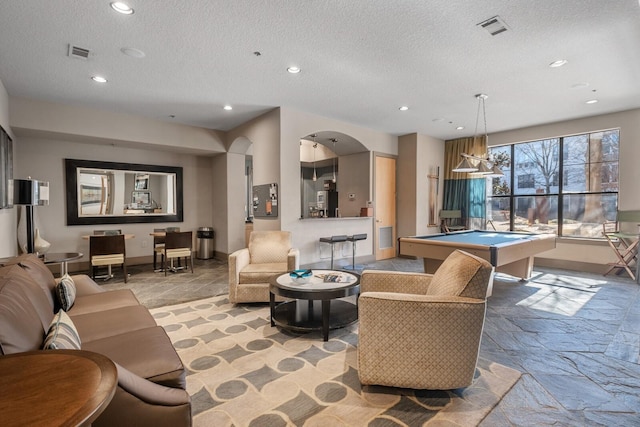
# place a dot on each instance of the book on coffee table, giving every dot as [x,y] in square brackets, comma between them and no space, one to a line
[335,278]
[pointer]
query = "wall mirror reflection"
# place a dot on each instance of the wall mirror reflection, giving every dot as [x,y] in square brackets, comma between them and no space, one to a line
[112,193]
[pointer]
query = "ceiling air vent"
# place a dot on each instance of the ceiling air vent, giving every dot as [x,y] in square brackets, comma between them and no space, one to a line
[78,52]
[494,25]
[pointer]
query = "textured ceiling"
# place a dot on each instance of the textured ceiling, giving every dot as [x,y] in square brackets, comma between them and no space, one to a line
[360,59]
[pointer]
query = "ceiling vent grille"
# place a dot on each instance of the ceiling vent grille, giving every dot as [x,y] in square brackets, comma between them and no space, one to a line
[78,52]
[494,26]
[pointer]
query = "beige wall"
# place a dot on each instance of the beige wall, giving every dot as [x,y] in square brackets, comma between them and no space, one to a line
[44,159]
[214,184]
[354,178]
[8,245]
[629,196]
[235,202]
[44,119]
[407,182]
[418,156]
[261,138]
[306,233]
[430,157]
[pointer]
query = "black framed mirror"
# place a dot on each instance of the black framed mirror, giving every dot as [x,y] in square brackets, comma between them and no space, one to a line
[120,193]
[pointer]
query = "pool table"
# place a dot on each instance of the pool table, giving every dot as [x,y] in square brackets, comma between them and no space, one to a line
[509,252]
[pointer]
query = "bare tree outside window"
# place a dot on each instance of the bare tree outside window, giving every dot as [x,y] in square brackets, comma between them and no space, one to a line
[584,194]
[542,161]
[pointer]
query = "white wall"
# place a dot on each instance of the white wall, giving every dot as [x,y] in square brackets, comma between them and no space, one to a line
[629,196]
[44,159]
[8,217]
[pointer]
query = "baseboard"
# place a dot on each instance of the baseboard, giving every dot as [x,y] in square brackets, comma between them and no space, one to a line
[586,267]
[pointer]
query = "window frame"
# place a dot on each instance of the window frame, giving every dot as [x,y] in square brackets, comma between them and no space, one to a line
[559,179]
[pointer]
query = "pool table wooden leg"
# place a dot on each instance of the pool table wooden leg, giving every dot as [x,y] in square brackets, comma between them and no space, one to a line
[431,265]
[521,268]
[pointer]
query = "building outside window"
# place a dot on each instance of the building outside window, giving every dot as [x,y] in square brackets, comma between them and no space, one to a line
[527,180]
[529,197]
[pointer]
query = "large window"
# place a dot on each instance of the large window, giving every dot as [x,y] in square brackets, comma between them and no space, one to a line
[566,185]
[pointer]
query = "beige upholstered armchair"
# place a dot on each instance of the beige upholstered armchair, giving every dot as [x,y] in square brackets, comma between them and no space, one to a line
[250,269]
[423,331]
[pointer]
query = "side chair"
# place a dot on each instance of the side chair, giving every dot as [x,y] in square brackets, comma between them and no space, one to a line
[107,250]
[623,242]
[179,245]
[451,220]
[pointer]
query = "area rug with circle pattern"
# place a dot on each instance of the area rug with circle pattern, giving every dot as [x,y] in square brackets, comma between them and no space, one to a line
[243,372]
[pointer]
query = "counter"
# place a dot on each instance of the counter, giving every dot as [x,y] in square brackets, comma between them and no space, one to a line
[306,234]
[335,219]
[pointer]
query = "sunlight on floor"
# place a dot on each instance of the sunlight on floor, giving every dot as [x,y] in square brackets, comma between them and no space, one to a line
[561,294]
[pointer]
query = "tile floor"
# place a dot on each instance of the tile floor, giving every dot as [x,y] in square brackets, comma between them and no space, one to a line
[574,336]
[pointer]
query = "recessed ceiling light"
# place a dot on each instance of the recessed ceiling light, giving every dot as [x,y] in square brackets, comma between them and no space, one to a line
[403,108]
[439,119]
[558,63]
[133,52]
[98,79]
[460,128]
[122,7]
[293,70]
[228,107]
[591,101]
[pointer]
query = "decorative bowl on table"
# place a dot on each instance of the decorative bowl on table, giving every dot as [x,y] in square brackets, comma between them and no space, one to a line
[300,276]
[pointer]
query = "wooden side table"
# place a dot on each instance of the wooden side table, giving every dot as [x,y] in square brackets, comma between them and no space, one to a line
[55,387]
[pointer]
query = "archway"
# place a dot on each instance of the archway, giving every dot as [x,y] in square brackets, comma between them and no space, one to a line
[323,155]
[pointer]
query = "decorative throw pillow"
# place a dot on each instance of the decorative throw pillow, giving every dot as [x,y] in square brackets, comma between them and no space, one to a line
[66,292]
[62,334]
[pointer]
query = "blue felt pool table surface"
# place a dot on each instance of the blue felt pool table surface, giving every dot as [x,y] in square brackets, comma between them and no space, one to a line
[479,237]
[510,252]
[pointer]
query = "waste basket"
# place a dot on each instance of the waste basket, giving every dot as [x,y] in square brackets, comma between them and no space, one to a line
[205,242]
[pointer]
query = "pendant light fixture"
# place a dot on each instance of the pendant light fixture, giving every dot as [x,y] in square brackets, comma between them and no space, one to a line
[315,145]
[482,167]
[334,140]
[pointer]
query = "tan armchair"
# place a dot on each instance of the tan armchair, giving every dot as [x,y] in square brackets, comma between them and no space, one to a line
[423,331]
[250,269]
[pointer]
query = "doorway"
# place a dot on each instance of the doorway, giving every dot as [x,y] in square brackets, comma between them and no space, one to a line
[385,207]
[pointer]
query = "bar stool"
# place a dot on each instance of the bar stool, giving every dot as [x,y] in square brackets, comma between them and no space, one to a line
[332,241]
[354,239]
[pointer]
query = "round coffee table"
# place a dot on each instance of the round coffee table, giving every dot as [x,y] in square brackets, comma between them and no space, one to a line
[321,309]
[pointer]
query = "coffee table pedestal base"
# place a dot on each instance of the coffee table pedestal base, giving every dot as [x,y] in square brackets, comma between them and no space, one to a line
[314,315]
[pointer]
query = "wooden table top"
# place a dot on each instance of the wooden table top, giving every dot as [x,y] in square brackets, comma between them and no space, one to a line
[126,236]
[55,387]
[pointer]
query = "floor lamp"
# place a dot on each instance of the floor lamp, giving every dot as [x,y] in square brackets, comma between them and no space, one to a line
[30,192]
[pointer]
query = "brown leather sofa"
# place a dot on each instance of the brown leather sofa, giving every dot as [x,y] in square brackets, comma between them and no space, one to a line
[151,377]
